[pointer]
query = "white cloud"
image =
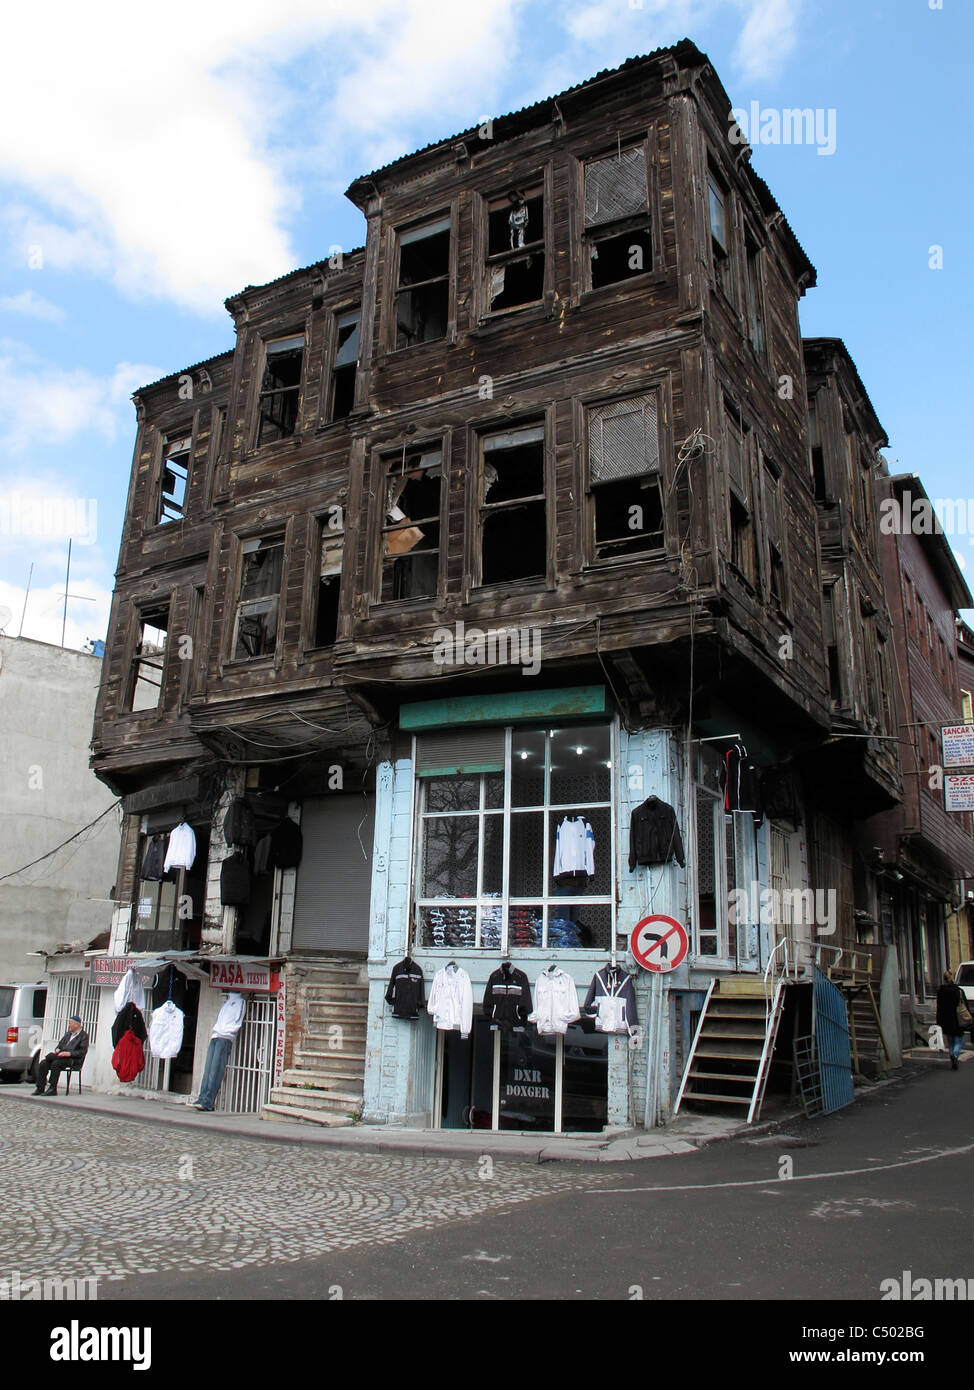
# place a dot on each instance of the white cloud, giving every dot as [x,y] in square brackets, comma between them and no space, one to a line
[768,38]
[43,404]
[87,613]
[32,306]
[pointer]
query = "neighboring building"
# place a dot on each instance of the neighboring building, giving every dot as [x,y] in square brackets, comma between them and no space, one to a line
[503,520]
[960,922]
[48,794]
[921,850]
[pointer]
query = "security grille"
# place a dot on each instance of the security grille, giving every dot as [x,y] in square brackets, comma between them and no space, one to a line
[247,1082]
[624,439]
[67,995]
[615,187]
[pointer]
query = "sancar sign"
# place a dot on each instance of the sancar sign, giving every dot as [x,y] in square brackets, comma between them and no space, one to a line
[958,745]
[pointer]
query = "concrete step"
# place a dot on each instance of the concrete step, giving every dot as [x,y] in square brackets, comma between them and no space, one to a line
[336,1102]
[332,1063]
[294,1115]
[354,1011]
[300,1079]
[350,993]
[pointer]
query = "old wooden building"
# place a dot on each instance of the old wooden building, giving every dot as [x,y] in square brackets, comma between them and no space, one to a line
[484,536]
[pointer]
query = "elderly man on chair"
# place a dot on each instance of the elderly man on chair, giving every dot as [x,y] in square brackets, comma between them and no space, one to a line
[69,1052]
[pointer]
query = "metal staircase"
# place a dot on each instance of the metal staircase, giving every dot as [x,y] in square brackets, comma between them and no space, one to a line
[732,1048]
[853,974]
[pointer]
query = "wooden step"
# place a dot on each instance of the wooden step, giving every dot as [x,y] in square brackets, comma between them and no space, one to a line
[711,1050]
[729,985]
[743,1078]
[723,1100]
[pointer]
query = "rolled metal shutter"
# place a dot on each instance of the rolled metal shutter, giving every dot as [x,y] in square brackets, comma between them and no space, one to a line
[333,891]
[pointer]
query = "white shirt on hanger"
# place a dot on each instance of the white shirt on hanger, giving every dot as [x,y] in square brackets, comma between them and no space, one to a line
[575,847]
[181,851]
[555,1002]
[451,1000]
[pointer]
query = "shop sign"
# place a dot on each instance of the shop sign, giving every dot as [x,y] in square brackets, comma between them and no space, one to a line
[659,943]
[279,1041]
[110,970]
[958,746]
[243,974]
[959,791]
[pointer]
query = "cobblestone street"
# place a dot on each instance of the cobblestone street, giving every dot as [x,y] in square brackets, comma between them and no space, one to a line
[91,1195]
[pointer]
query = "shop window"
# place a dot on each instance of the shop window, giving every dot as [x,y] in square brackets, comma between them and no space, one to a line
[255,631]
[411,525]
[167,914]
[625,476]
[513,525]
[507,818]
[423,286]
[345,364]
[148,661]
[515,250]
[175,479]
[280,389]
[720,234]
[617,239]
[725,859]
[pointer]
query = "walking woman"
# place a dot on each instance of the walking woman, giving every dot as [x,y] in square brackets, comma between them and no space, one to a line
[949,999]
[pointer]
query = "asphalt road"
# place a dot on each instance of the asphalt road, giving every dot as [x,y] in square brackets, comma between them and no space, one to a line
[827,1209]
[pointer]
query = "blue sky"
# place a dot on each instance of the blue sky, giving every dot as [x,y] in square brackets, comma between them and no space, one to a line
[156,158]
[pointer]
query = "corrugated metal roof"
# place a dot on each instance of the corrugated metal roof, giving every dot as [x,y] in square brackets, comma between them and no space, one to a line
[183,371]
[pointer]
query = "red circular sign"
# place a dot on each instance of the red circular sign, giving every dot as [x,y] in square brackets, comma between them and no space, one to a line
[659,943]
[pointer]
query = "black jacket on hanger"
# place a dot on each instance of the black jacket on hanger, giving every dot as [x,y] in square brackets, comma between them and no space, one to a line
[155,858]
[739,781]
[238,824]
[654,836]
[507,998]
[405,992]
[287,843]
[129,1016]
[235,880]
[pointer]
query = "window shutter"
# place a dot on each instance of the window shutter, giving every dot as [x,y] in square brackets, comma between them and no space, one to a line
[736,470]
[444,755]
[772,494]
[624,439]
[615,187]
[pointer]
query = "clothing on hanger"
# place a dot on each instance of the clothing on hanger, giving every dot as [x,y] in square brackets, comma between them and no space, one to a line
[154,863]
[779,795]
[130,989]
[262,855]
[235,880]
[574,847]
[287,844]
[238,824]
[166,1030]
[739,781]
[507,999]
[451,1000]
[654,835]
[611,999]
[128,1017]
[405,992]
[555,1001]
[128,1059]
[181,853]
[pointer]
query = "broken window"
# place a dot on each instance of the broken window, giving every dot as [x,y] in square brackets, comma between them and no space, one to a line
[148,661]
[513,525]
[423,293]
[743,548]
[755,314]
[515,250]
[832,643]
[617,238]
[411,529]
[280,389]
[720,238]
[255,633]
[817,455]
[773,531]
[624,476]
[329,586]
[345,364]
[175,479]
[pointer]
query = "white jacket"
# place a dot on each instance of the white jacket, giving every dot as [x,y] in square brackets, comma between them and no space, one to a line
[555,1002]
[181,850]
[451,1000]
[166,1030]
[230,1017]
[574,848]
[130,991]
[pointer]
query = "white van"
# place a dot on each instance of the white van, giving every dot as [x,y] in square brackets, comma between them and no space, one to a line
[21,1024]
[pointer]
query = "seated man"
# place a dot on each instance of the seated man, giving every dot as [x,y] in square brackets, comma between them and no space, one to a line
[69,1051]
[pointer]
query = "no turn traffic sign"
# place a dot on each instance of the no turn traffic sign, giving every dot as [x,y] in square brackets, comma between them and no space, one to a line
[659,943]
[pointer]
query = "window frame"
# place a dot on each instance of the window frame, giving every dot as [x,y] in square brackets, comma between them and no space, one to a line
[246,544]
[723,271]
[479,509]
[745,870]
[531,189]
[649,220]
[506,900]
[395,288]
[773,526]
[170,438]
[142,610]
[339,315]
[742,495]
[384,459]
[323,534]
[754,257]
[263,352]
[586,409]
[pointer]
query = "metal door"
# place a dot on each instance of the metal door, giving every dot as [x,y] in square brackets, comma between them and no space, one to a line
[832,1040]
[247,1082]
